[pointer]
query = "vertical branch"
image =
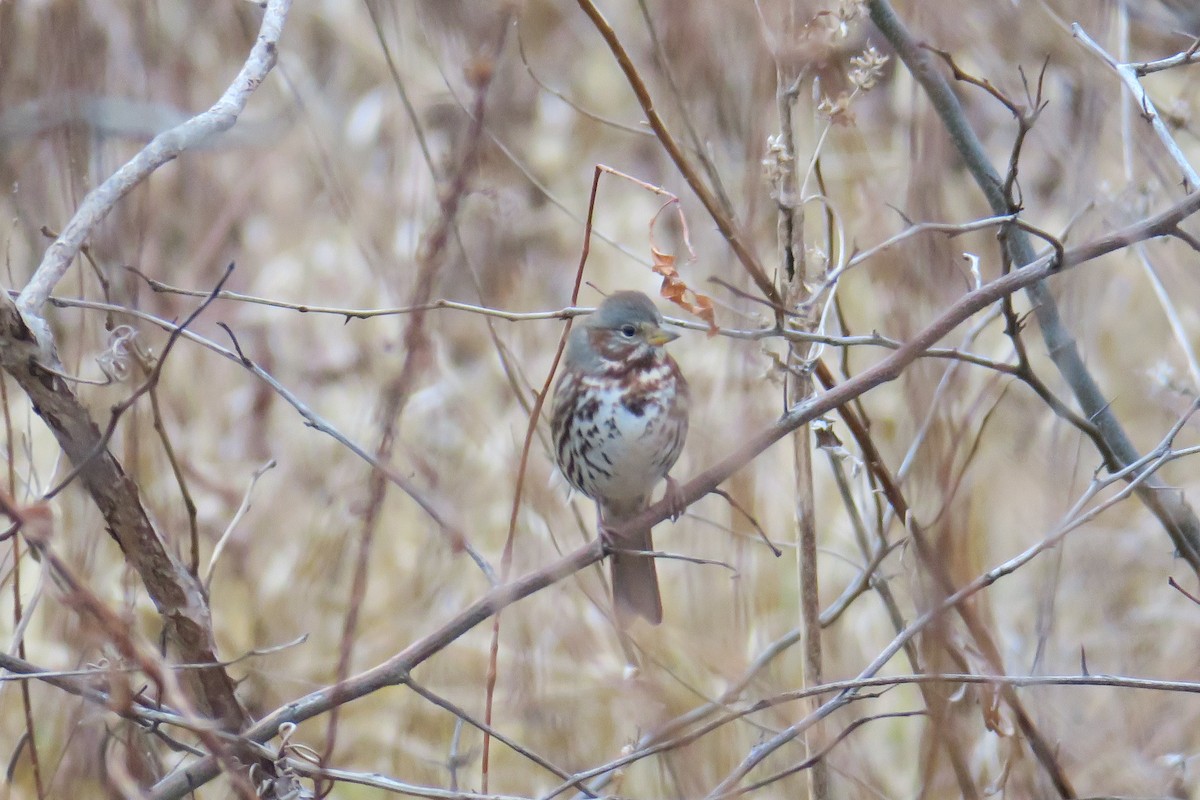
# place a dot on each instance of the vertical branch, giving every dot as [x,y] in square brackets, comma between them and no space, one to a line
[793,276]
[530,430]
[18,606]
[431,257]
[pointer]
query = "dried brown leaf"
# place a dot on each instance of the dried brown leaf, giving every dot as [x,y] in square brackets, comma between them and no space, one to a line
[678,292]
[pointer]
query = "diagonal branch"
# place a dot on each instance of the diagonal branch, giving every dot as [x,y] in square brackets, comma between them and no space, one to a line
[1164,501]
[686,168]
[27,353]
[396,670]
[176,593]
[1129,76]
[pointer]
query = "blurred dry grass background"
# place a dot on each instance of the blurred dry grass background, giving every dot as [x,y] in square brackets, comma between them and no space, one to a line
[322,196]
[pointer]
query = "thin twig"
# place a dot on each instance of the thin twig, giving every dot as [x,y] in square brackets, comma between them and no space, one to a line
[395,669]
[152,379]
[533,76]
[219,547]
[1074,519]
[530,428]
[724,222]
[1129,76]
[698,147]
[1187,57]
[1172,510]
[36,527]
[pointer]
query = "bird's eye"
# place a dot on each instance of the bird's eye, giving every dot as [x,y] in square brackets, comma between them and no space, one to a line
[628,331]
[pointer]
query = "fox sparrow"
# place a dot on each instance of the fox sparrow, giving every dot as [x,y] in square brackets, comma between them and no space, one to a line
[620,418]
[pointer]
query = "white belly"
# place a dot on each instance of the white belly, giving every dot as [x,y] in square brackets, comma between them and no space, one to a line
[627,453]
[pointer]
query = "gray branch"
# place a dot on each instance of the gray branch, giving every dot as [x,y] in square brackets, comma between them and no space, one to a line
[1165,502]
[1129,76]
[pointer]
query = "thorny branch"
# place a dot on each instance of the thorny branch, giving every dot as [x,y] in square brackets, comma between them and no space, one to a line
[396,669]
[904,352]
[1173,511]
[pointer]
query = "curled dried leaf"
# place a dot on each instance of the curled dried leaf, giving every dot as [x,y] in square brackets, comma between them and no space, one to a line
[678,292]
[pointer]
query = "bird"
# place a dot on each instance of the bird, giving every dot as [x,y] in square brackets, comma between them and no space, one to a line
[619,421]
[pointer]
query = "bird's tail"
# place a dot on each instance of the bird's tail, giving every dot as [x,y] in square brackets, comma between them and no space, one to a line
[634,577]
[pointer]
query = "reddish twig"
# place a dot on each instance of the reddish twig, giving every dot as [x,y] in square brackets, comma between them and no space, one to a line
[724,223]
[534,415]
[416,348]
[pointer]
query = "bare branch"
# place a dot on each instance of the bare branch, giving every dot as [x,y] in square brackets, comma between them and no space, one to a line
[1173,511]
[395,670]
[165,147]
[1128,74]
[724,222]
[175,591]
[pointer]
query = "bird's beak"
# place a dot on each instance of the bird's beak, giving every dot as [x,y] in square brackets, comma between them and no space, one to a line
[659,336]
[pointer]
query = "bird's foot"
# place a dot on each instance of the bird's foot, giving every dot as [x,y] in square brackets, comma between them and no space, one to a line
[608,539]
[676,501]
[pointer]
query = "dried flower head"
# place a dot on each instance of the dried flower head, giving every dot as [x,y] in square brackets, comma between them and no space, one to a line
[776,163]
[123,347]
[866,69]
[837,109]
[838,22]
